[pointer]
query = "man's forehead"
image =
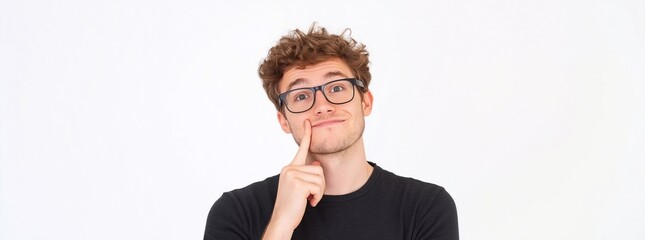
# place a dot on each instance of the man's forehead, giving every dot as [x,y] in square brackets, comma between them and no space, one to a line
[313,74]
[326,76]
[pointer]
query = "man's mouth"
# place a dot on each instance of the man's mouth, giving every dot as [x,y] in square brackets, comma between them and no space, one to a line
[327,123]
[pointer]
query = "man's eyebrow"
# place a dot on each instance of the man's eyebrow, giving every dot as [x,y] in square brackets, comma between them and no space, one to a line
[335,74]
[327,75]
[296,82]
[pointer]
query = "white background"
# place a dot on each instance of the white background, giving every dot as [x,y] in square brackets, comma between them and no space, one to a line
[128,119]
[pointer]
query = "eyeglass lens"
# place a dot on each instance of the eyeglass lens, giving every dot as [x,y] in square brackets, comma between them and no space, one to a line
[336,92]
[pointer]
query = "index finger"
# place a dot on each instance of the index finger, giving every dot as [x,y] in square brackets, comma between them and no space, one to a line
[303,150]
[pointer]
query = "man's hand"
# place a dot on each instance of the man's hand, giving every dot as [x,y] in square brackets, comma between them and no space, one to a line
[299,183]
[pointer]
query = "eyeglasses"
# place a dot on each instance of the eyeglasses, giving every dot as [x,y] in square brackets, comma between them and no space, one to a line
[336,92]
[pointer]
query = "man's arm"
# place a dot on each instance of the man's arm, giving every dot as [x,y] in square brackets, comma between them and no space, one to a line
[299,183]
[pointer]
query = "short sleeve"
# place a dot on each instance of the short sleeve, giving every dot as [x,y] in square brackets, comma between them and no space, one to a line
[224,220]
[439,219]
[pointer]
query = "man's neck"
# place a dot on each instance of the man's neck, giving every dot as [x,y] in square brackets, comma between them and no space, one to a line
[345,171]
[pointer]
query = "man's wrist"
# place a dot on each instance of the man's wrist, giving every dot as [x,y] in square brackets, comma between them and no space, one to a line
[277,231]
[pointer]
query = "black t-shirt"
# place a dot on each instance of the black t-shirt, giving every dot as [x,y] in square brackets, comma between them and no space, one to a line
[386,207]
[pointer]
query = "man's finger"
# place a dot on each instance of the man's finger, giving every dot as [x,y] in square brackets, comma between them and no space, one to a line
[314,199]
[301,156]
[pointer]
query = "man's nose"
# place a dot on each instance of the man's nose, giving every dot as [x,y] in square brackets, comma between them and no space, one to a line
[321,105]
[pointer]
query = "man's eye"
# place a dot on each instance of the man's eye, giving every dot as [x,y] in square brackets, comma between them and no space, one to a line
[300,97]
[337,89]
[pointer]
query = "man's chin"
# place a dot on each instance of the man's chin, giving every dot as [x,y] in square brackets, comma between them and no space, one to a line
[327,148]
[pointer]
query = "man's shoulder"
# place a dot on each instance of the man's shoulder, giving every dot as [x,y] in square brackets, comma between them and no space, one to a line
[427,207]
[412,187]
[256,198]
[243,211]
[408,182]
[268,186]
[419,197]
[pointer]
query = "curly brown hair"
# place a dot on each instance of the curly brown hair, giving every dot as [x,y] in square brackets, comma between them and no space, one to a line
[298,49]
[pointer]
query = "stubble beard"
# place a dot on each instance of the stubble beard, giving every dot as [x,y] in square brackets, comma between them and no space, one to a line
[333,147]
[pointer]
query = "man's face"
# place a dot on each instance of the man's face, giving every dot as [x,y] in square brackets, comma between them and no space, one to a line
[334,127]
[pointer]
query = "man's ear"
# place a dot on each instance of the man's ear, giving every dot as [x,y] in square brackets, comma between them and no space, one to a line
[284,124]
[368,99]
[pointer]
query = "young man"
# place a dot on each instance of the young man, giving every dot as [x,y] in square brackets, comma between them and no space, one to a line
[319,85]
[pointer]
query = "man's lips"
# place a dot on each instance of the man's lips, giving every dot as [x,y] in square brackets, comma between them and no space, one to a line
[327,123]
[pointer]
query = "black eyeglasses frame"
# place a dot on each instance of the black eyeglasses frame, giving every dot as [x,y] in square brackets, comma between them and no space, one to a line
[353,81]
